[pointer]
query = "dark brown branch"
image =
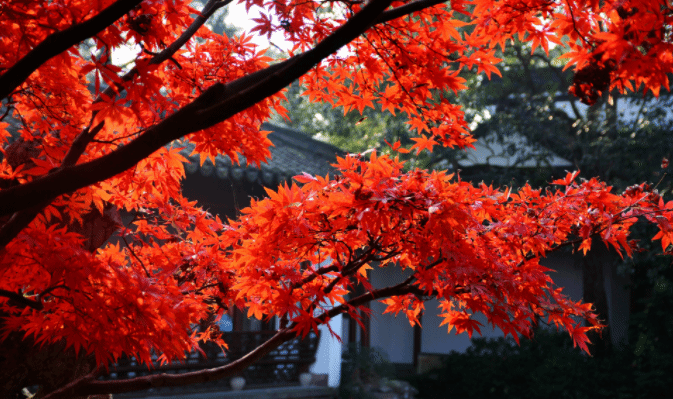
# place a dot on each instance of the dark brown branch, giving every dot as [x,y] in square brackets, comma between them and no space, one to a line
[216,104]
[79,144]
[19,299]
[229,100]
[58,42]
[407,9]
[22,218]
[245,92]
[147,273]
[349,271]
[19,221]
[320,272]
[50,289]
[400,289]
[90,386]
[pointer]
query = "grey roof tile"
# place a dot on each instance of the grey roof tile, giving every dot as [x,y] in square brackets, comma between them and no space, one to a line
[293,153]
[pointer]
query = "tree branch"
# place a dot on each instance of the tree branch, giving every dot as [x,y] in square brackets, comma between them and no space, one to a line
[218,103]
[89,386]
[400,289]
[84,138]
[406,9]
[22,218]
[19,299]
[229,100]
[59,42]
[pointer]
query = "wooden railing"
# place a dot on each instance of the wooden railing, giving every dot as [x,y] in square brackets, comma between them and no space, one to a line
[281,366]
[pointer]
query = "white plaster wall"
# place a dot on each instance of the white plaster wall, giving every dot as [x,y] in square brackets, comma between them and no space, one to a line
[328,356]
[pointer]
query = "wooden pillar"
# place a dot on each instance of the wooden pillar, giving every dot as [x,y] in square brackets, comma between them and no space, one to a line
[418,334]
[237,320]
[352,330]
[365,328]
[359,333]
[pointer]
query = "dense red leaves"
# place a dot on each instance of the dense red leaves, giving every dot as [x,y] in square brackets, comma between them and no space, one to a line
[130,300]
[629,38]
[174,265]
[477,249]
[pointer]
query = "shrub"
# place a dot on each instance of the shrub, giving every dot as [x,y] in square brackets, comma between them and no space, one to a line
[545,367]
[362,370]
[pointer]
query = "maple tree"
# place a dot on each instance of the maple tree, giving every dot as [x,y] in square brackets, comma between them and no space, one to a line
[96,139]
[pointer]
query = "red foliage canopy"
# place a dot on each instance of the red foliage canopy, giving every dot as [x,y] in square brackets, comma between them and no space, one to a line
[94,139]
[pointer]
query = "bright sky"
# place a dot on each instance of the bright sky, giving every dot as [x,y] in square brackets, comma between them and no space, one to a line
[237,16]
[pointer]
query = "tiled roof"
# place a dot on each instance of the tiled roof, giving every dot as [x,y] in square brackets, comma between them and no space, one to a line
[292,154]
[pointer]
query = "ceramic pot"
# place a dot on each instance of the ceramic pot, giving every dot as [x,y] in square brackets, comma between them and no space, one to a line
[305,379]
[237,383]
